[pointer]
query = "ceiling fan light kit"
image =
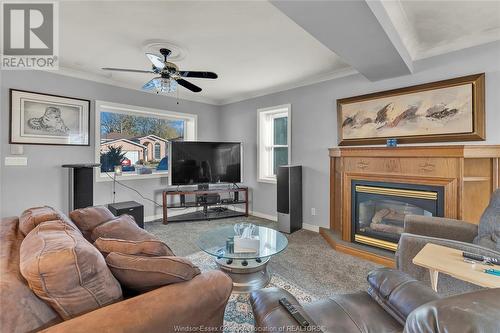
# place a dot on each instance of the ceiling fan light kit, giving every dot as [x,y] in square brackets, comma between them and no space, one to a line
[164,85]
[170,76]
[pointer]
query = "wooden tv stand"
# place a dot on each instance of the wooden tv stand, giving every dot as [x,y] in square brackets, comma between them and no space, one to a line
[234,198]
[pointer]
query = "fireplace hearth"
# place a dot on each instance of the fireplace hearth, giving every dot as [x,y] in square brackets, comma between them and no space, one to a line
[379,209]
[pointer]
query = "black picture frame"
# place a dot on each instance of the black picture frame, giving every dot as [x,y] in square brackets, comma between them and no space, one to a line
[14,137]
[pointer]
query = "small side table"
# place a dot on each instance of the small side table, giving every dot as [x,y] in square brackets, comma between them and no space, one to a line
[440,259]
[131,208]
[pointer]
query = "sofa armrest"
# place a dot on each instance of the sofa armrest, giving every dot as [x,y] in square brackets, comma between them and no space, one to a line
[440,227]
[398,293]
[409,246]
[269,314]
[189,306]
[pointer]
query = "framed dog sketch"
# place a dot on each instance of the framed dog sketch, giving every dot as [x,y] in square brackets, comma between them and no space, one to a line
[450,110]
[44,119]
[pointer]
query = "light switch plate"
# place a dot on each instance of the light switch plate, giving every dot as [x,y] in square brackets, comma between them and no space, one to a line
[16,161]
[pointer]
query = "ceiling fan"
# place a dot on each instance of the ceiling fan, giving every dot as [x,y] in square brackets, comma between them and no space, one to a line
[170,75]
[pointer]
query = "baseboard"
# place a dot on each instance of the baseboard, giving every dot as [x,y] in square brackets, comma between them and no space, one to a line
[264,216]
[310,227]
[306,226]
[274,218]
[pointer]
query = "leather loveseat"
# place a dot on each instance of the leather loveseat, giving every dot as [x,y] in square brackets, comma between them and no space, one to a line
[395,302]
[197,304]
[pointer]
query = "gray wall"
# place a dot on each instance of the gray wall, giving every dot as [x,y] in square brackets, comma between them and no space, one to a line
[314,130]
[314,125]
[44,182]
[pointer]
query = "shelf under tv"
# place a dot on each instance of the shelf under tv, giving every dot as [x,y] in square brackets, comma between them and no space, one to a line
[197,204]
[233,199]
[203,216]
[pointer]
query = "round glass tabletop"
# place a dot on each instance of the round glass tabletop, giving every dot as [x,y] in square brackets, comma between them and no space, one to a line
[215,242]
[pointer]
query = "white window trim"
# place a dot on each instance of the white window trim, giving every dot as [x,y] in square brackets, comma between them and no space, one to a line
[190,132]
[274,112]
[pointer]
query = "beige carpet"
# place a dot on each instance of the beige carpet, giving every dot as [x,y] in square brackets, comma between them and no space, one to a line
[308,262]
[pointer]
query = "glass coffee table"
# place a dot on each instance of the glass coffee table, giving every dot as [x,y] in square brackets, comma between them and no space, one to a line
[247,270]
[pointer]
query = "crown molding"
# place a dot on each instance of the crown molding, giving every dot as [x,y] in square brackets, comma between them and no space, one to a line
[79,74]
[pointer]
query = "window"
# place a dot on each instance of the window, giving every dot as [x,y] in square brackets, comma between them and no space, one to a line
[157,151]
[274,139]
[137,139]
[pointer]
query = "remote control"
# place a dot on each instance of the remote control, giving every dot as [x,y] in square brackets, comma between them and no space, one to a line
[293,311]
[477,257]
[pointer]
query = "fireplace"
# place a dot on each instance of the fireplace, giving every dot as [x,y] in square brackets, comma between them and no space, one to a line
[379,208]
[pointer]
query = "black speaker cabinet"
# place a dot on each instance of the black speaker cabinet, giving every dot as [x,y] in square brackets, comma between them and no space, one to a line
[81,185]
[289,191]
[135,209]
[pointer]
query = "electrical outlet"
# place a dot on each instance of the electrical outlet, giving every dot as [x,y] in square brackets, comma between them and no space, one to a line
[313,211]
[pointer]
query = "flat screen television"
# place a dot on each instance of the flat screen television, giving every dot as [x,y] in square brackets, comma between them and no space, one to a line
[193,163]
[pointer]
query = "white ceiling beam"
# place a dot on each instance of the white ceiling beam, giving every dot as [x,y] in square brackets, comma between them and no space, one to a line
[378,9]
[352,30]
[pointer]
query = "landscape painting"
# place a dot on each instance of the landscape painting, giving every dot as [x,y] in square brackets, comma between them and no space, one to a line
[451,110]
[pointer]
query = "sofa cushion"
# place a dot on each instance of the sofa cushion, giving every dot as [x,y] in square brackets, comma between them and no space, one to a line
[20,309]
[145,273]
[122,227]
[32,217]
[66,271]
[488,234]
[398,293]
[86,219]
[145,247]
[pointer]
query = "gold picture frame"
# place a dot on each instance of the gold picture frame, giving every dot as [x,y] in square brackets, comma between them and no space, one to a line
[448,110]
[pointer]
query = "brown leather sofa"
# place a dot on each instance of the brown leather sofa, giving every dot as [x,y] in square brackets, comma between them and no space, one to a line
[395,302]
[198,303]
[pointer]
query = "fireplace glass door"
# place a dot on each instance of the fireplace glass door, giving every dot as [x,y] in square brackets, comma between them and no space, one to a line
[379,209]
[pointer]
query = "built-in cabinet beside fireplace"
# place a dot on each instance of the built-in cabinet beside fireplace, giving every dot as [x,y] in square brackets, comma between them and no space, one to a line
[373,188]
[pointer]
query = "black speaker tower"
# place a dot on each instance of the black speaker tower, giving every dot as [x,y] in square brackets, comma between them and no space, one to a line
[81,185]
[289,198]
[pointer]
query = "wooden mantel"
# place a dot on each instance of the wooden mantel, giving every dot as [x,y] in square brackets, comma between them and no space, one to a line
[457,151]
[468,173]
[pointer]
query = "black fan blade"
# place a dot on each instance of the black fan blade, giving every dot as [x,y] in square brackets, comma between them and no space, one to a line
[188,85]
[201,75]
[126,70]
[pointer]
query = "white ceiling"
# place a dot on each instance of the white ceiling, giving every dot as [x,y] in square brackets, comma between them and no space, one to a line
[253,47]
[429,28]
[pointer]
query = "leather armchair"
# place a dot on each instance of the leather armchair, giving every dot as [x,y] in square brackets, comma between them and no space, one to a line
[394,302]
